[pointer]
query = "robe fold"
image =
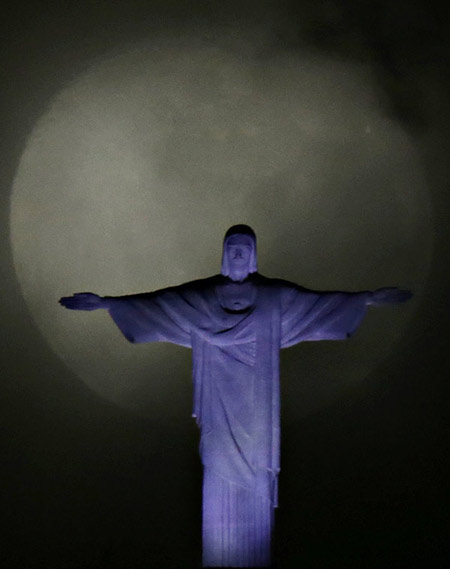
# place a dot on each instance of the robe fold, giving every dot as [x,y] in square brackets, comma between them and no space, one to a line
[236,391]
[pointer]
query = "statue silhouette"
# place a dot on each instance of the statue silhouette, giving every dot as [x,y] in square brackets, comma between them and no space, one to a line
[236,322]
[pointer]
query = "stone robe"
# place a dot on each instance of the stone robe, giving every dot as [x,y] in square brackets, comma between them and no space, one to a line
[236,390]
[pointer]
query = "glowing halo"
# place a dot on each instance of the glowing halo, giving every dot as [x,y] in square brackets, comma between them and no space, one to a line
[131,177]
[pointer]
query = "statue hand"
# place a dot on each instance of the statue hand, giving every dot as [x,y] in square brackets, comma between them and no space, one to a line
[83,301]
[389,295]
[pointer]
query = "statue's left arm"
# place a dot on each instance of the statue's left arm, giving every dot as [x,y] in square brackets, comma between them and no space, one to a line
[388,295]
[310,316]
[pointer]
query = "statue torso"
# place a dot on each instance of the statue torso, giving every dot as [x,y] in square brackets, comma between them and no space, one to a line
[236,297]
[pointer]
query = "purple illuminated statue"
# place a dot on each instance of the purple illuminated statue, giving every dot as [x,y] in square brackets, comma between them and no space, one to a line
[236,323]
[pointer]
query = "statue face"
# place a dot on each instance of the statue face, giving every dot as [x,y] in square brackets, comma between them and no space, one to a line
[238,251]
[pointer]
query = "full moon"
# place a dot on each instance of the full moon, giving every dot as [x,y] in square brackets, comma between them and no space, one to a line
[130,179]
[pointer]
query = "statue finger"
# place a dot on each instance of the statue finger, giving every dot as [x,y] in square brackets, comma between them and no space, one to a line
[69,305]
[401,295]
[73,303]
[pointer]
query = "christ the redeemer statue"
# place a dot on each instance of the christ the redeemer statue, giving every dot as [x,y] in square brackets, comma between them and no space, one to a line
[236,322]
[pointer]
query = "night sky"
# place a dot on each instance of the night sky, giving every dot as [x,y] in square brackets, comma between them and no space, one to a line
[324,125]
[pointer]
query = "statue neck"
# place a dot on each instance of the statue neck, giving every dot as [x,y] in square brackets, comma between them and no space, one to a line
[238,275]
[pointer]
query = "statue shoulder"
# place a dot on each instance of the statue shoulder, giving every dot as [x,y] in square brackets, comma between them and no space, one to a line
[200,285]
[195,286]
[281,285]
[198,290]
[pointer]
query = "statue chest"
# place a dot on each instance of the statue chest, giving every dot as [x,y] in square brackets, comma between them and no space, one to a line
[236,297]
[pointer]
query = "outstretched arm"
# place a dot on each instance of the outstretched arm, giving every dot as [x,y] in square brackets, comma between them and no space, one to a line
[160,316]
[311,316]
[84,301]
[388,295]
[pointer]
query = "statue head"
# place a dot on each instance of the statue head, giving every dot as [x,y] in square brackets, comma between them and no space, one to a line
[239,252]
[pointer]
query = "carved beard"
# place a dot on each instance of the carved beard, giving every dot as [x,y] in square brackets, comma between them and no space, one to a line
[238,273]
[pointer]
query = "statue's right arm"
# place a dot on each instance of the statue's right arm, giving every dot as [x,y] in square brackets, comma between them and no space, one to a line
[144,317]
[85,301]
